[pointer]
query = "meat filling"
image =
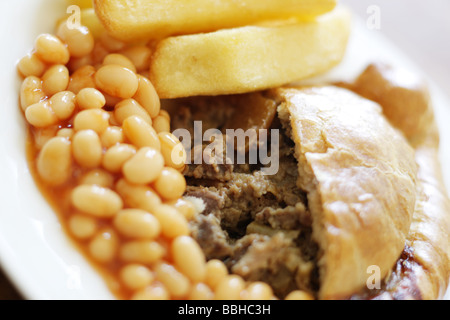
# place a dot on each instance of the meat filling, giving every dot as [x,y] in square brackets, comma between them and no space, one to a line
[259,225]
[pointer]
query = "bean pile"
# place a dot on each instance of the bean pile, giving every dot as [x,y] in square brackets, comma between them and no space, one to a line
[102,152]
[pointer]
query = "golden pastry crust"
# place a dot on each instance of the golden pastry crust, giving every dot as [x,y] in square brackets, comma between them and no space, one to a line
[403,96]
[423,271]
[360,176]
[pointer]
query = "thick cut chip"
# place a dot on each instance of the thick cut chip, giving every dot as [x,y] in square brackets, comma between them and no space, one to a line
[136,19]
[90,20]
[83,4]
[249,58]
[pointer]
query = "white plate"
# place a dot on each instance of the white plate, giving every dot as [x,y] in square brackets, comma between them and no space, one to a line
[34,250]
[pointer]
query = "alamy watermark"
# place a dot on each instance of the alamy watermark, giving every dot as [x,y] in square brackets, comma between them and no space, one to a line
[374,20]
[74,20]
[235,146]
[374,280]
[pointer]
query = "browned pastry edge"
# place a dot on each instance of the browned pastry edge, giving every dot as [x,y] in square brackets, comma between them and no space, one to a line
[423,270]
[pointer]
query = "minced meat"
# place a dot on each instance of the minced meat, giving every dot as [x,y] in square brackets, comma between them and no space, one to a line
[259,225]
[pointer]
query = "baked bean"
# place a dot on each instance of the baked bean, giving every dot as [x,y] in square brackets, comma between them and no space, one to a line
[51,50]
[165,114]
[43,135]
[172,150]
[134,196]
[136,223]
[31,92]
[230,288]
[111,102]
[99,53]
[98,177]
[93,119]
[31,65]
[173,223]
[117,81]
[299,295]
[216,271]
[78,39]
[116,156]
[258,291]
[170,184]
[120,60]
[185,207]
[112,119]
[147,97]
[140,133]
[154,292]
[128,108]
[41,115]
[201,292]
[144,167]
[111,44]
[189,258]
[82,227]
[98,65]
[76,63]
[90,98]
[63,104]
[82,78]
[136,276]
[145,252]
[161,124]
[103,247]
[96,201]
[139,55]
[87,148]
[54,163]
[111,136]
[66,133]
[175,282]
[145,74]
[55,79]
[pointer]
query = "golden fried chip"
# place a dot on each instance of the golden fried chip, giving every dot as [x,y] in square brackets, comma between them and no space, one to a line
[135,19]
[83,4]
[249,58]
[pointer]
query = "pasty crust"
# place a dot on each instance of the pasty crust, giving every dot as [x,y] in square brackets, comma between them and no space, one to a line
[360,176]
[423,271]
